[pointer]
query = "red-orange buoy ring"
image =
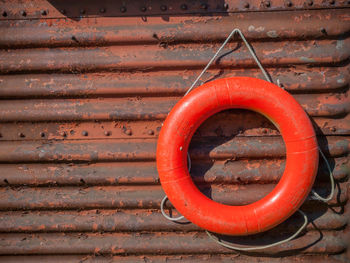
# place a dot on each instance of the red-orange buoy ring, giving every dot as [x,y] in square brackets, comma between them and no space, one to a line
[244,93]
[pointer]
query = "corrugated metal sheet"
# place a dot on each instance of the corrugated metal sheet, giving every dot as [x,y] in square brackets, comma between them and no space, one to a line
[84,88]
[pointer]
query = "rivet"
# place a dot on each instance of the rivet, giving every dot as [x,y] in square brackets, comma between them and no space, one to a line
[102,10]
[163,8]
[21,134]
[289,3]
[107,133]
[64,134]
[82,11]
[84,133]
[42,134]
[332,2]
[310,2]
[123,9]
[226,6]
[204,6]
[143,9]
[183,7]
[163,44]
[4,14]
[333,129]
[43,12]
[180,148]
[128,132]
[264,131]
[63,11]
[23,13]
[267,3]
[323,30]
[150,132]
[246,5]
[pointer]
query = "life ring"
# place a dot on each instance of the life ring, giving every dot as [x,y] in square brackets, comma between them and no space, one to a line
[245,93]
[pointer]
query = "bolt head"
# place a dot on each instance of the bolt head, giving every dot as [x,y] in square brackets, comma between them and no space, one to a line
[107,133]
[123,9]
[289,4]
[23,13]
[204,6]
[128,132]
[82,11]
[246,5]
[102,10]
[43,12]
[310,2]
[183,7]
[163,8]
[150,132]
[143,9]
[267,3]
[84,133]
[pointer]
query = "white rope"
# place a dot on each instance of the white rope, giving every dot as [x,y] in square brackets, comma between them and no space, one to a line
[217,240]
[331,178]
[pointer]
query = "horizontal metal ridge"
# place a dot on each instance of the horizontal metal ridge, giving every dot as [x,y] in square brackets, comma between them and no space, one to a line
[145,197]
[154,243]
[175,83]
[312,24]
[227,124]
[135,150]
[321,105]
[184,56]
[137,220]
[224,258]
[145,173]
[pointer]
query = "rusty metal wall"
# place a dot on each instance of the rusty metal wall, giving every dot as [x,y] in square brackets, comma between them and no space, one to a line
[84,88]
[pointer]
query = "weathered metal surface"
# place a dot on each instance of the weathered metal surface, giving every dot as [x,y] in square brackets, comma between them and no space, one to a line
[185,56]
[84,90]
[60,9]
[175,83]
[136,173]
[225,258]
[136,196]
[145,150]
[325,24]
[152,243]
[321,105]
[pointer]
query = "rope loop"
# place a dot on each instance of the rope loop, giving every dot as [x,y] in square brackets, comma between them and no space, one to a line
[218,241]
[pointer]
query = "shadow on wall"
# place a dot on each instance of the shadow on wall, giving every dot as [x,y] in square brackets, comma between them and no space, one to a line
[248,121]
[130,8]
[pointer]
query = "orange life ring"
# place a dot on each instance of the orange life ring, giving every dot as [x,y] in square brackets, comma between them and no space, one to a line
[245,93]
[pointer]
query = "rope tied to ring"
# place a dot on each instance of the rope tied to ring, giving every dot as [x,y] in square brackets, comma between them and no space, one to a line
[316,196]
